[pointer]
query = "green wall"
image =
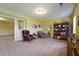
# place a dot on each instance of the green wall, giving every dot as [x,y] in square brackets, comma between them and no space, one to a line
[76,13]
[46,22]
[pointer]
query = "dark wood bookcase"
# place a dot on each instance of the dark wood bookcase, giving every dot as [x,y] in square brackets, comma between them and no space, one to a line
[61,29]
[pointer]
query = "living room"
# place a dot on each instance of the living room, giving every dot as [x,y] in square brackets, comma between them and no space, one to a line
[37,28]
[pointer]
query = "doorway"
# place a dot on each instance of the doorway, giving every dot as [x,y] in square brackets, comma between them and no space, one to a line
[6,28]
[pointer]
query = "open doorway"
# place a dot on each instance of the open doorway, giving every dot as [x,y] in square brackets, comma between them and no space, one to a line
[6,28]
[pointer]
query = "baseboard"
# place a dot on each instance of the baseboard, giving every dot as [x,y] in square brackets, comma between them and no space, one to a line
[8,35]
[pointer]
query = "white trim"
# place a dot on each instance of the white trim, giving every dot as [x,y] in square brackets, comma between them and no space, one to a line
[74,25]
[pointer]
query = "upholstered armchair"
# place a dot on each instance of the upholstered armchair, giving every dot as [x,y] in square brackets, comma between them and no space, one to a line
[26,35]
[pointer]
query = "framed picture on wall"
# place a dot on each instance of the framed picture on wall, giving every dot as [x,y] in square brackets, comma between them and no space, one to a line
[39,26]
[20,24]
[34,26]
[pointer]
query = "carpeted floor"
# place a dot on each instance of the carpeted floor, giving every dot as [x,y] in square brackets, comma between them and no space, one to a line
[37,47]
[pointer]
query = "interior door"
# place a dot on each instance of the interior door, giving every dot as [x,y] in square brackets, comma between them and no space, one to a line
[19,25]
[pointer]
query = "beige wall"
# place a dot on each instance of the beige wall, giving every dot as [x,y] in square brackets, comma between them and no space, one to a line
[6,28]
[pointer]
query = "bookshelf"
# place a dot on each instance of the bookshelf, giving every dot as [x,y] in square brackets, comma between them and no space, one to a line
[61,30]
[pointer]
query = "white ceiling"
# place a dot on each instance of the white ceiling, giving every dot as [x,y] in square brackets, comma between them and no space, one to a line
[54,10]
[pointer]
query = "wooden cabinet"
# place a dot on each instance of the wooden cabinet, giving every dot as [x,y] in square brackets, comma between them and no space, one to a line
[69,48]
[72,50]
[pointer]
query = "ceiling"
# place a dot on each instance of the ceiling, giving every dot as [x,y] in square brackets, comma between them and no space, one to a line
[53,10]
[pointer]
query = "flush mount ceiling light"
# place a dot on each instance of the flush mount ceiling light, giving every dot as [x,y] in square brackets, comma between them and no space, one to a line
[40,11]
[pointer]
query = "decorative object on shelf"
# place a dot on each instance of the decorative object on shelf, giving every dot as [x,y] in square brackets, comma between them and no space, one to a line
[64,25]
[59,25]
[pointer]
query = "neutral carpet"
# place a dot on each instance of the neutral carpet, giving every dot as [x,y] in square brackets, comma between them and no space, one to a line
[37,47]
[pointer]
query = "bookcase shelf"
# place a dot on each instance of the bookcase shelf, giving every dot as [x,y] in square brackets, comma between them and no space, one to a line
[61,29]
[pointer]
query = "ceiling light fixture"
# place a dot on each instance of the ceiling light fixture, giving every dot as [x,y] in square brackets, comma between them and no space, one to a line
[40,11]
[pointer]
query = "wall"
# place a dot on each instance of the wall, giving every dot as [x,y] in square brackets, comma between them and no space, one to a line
[29,23]
[76,13]
[46,22]
[6,28]
[71,24]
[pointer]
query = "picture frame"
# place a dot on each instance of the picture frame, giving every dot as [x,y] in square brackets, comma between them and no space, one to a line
[20,24]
